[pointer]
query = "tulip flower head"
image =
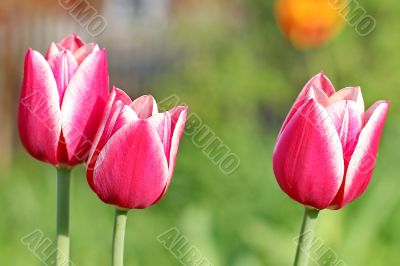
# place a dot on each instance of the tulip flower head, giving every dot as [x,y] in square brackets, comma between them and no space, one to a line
[326,149]
[62,100]
[310,23]
[133,158]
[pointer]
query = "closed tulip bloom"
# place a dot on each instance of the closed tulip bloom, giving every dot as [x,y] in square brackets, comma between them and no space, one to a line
[134,153]
[310,23]
[326,149]
[62,100]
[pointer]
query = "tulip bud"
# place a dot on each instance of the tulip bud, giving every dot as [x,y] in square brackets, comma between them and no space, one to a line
[133,158]
[62,100]
[326,149]
[310,23]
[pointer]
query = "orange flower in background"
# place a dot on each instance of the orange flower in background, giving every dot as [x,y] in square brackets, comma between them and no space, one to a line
[310,23]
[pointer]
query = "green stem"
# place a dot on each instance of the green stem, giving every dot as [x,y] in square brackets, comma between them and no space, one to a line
[118,237]
[306,237]
[63,186]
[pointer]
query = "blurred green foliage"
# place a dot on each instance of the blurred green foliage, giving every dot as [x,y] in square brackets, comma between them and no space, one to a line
[240,76]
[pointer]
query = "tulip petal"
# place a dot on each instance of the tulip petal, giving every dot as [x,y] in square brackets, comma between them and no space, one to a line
[52,51]
[63,66]
[111,112]
[318,88]
[82,52]
[362,163]
[116,102]
[126,115]
[347,119]
[319,82]
[122,96]
[308,144]
[131,170]
[120,102]
[72,42]
[178,121]
[349,93]
[145,106]
[39,118]
[162,124]
[83,105]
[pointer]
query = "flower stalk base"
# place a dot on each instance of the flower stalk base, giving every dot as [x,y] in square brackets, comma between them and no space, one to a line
[63,188]
[119,237]
[306,237]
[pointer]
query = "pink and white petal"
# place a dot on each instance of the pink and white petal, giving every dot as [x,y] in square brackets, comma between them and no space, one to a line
[126,115]
[349,93]
[107,128]
[117,100]
[52,51]
[83,105]
[320,83]
[162,124]
[72,42]
[318,95]
[176,115]
[64,67]
[318,88]
[39,117]
[178,121]
[145,106]
[131,170]
[371,110]
[122,96]
[348,121]
[363,160]
[110,114]
[121,101]
[308,144]
[82,52]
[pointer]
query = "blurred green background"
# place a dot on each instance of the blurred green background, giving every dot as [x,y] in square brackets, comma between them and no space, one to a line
[230,63]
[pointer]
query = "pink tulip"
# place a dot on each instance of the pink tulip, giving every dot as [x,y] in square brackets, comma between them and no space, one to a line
[325,152]
[62,100]
[134,153]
